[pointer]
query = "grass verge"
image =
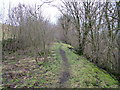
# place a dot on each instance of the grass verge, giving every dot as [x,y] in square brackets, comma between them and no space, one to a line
[21,71]
[85,74]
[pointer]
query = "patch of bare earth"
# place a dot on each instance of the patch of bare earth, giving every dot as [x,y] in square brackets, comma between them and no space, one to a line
[17,68]
[65,74]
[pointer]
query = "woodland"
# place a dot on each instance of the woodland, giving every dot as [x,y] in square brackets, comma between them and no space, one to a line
[82,50]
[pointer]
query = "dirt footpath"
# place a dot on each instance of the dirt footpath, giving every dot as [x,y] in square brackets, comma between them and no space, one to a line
[65,74]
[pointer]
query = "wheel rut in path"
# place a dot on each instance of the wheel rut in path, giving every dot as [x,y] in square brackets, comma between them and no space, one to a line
[65,74]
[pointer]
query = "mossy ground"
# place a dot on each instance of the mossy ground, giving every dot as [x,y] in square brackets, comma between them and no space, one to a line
[85,74]
[21,70]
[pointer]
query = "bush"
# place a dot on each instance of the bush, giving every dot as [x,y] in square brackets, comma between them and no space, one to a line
[9,45]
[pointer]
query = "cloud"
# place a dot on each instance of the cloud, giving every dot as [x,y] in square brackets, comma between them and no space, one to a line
[48,11]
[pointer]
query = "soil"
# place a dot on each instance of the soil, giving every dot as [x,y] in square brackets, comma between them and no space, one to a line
[65,74]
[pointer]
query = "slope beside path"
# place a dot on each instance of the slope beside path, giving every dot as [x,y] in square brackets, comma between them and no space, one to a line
[80,73]
[63,69]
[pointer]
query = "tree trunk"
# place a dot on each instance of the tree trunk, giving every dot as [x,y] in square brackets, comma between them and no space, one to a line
[118,35]
[118,42]
[107,19]
[118,12]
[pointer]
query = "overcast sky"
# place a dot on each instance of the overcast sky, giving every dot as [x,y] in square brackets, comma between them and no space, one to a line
[48,11]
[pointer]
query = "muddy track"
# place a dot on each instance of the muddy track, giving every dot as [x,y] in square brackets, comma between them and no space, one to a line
[65,74]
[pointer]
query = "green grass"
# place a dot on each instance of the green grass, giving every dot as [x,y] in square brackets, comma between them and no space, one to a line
[85,74]
[26,73]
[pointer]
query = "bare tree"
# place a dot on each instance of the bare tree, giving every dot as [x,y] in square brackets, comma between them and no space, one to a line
[29,29]
[96,24]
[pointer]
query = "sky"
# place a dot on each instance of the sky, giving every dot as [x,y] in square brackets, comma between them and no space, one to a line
[48,11]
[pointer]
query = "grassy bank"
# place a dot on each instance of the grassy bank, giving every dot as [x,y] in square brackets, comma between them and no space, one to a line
[85,74]
[20,70]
